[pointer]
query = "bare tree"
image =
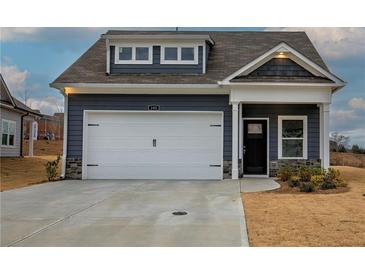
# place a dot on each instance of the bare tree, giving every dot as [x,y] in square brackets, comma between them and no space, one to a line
[339,142]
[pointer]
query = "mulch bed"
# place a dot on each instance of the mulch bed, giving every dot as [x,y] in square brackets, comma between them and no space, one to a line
[285,189]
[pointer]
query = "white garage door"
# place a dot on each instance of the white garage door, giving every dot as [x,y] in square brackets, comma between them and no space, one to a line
[153,145]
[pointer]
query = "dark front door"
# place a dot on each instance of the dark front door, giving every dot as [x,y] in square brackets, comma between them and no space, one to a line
[255,147]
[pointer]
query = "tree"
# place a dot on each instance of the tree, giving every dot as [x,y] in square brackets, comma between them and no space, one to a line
[357,149]
[339,142]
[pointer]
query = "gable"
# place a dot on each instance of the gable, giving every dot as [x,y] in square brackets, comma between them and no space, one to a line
[281,67]
[296,68]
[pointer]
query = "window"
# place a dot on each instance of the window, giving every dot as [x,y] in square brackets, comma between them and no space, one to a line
[187,54]
[125,53]
[133,54]
[170,53]
[292,139]
[142,53]
[177,54]
[8,133]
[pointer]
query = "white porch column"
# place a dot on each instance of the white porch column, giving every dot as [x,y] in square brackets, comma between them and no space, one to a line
[30,149]
[320,106]
[325,113]
[234,140]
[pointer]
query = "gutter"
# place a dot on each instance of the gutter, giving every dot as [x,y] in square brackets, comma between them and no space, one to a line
[116,85]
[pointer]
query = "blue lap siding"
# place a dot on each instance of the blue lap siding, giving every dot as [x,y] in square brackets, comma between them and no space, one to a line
[274,110]
[77,103]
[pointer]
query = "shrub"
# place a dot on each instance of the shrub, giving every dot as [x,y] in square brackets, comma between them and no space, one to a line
[51,168]
[317,180]
[284,173]
[305,173]
[307,187]
[327,185]
[333,176]
[294,181]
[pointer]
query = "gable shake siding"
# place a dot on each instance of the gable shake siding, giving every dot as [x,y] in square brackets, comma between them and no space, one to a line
[156,66]
[272,111]
[77,103]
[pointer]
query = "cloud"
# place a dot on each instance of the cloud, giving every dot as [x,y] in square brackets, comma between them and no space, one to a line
[357,103]
[344,115]
[47,105]
[335,43]
[15,79]
[9,34]
[356,135]
[49,34]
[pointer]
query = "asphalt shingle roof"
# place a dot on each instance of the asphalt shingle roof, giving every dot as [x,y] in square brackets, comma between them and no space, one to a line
[232,50]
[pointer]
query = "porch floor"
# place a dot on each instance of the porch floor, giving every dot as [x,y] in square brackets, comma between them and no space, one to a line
[258,184]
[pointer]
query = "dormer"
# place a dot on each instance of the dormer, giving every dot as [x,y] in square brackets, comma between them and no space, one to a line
[170,53]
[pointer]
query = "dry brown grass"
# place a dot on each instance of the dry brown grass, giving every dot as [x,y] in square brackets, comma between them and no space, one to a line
[347,159]
[44,147]
[275,219]
[21,172]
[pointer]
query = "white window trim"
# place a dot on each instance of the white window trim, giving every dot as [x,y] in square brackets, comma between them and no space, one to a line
[133,60]
[303,118]
[179,61]
[2,128]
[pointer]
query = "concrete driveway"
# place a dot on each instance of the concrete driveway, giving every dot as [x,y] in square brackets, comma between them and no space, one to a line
[124,213]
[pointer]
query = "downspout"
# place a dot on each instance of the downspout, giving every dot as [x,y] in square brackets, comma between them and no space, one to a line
[21,133]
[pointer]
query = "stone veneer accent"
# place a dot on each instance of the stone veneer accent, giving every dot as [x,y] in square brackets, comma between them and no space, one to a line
[275,165]
[74,168]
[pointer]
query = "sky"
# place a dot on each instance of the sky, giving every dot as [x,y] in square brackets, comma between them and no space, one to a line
[31,58]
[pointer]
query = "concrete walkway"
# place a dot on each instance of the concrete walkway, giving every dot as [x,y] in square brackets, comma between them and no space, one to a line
[124,213]
[258,184]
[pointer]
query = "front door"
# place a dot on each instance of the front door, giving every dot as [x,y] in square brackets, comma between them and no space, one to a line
[255,147]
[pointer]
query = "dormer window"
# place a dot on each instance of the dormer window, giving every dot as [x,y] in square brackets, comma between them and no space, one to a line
[133,54]
[179,54]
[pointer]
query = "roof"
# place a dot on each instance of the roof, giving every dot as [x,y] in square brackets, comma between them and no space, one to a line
[10,100]
[232,50]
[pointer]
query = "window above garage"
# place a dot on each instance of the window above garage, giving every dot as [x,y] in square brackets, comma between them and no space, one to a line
[179,54]
[133,54]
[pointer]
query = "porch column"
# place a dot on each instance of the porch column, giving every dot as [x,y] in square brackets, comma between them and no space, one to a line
[325,113]
[234,140]
[30,154]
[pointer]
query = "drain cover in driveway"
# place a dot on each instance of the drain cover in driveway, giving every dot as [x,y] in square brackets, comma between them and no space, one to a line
[179,213]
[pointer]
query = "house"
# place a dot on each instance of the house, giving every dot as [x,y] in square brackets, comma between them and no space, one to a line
[195,105]
[50,127]
[14,115]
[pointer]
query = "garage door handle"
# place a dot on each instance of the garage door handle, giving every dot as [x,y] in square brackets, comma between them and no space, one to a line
[215,125]
[154,142]
[92,165]
[215,165]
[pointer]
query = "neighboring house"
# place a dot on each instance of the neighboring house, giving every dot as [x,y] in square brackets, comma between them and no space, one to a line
[13,114]
[50,127]
[195,105]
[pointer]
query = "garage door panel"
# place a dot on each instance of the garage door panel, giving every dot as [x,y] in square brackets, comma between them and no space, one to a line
[187,142]
[198,129]
[121,146]
[150,156]
[153,172]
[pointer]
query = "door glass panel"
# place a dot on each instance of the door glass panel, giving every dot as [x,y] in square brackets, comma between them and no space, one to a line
[254,128]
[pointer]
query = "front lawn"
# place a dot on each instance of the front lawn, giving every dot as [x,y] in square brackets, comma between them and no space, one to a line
[307,219]
[21,172]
